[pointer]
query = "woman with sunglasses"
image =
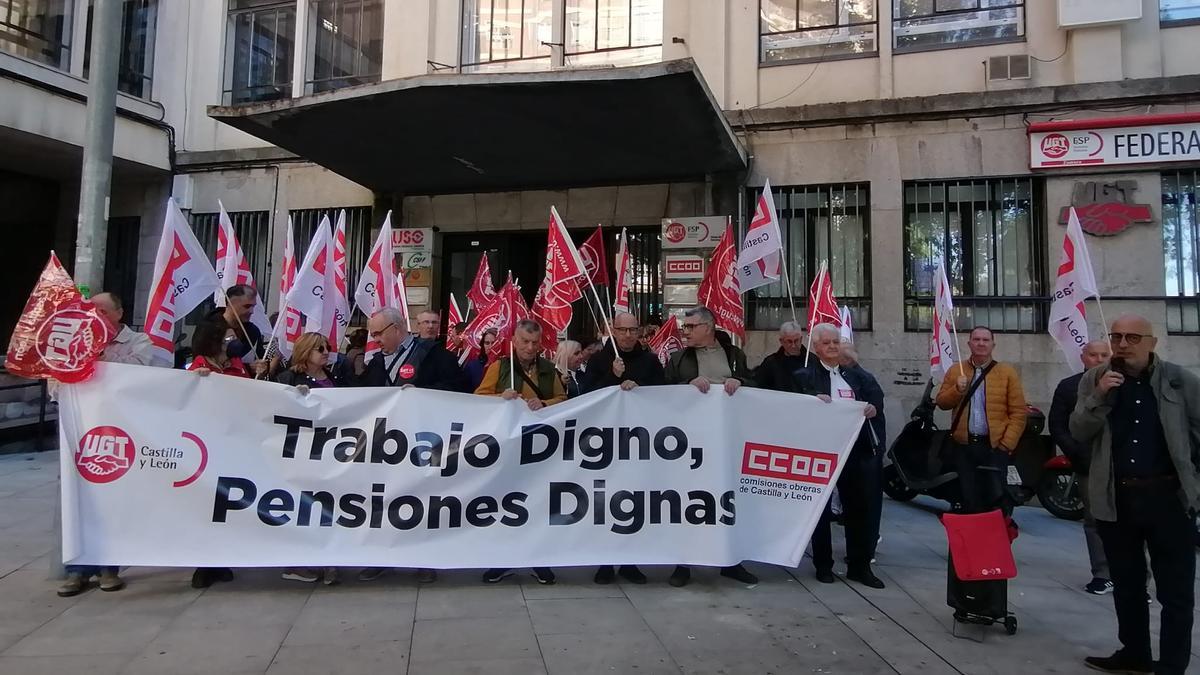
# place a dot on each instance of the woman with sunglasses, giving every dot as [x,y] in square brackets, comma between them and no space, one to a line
[309,369]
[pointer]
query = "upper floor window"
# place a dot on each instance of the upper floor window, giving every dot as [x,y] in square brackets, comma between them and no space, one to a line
[939,24]
[503,31]
[136,67]
[38,30]
[345,43]
[1178,11]
[1181,249]
[594,29]
[991,233]
[809,30]
[259,47]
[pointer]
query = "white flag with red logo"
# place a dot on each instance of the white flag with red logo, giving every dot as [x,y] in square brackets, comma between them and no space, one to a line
[1075,283]
[379,285]
[481,292]
[624,274]
[311,292]
[591,251]
[943,351]
[289,318]
[182,280]
[847,329]
[233,270]
[341,304]
[822,306]
[719,290]
[667,340]
[760,261]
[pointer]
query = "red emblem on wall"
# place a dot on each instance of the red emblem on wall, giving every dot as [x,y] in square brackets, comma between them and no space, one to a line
[1106,209]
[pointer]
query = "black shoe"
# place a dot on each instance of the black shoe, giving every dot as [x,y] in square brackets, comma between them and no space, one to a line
[826,576]
[223,574]
[605,575]
[202,578]
[632,574]
[865,577]
[544,575]
[1119,663]
[496,575]
[680,577]
[739,573]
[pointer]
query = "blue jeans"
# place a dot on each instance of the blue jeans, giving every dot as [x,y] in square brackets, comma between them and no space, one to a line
[91,570]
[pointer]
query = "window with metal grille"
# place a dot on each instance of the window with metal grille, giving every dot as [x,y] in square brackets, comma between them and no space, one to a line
[506,31]
[818,222]
[796,31]
[1178,12]
[345,43]
[260,38]
[600,32]
[1181,250]
[358,240]
[919,25]
[252,229]
[992,235]
[645,285]
[139,19]
[38,30]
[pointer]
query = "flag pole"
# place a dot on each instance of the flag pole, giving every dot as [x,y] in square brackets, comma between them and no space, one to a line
[788,283]
[512,367]
[1104,324]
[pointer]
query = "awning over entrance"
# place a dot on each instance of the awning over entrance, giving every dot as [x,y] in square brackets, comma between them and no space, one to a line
[455,133]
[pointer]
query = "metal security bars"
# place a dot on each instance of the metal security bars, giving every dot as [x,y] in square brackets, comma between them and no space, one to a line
[259,46]
[796,31]
[1181,250]
[818,222]
[37,29]
[992,235]
[345,43]
[358,239]
[919,25]
[253,232]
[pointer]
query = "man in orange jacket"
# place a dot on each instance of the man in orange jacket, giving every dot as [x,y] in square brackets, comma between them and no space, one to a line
[988,419]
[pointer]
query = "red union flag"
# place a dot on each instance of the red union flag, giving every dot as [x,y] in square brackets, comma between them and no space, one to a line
[560,286]
[506,308]
[760,261]
[822,307]
[591,251]
[233,270]
[481,293]
[719,290]
[624,275]
[667,340]
[60,334]
[1074,284]
[454,316]
[182,280]
[513,309]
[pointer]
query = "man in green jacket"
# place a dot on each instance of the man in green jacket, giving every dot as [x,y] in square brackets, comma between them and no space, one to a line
[1140,415]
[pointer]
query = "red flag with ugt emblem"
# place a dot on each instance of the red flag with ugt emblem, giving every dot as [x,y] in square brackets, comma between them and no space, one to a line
[719,290]
[506,308]
[822,307]
[60,335]
[592,254]
[481,292]
[560,286]
[667,340]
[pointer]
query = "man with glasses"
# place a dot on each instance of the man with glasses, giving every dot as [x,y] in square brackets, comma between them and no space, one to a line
[632,366]
[1140,418]
[709,358]
[775,371]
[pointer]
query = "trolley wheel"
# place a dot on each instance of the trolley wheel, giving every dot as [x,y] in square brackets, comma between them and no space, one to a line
[1010,625]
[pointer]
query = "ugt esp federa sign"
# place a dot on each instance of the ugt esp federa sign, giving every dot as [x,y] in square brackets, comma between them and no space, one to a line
[1140,139]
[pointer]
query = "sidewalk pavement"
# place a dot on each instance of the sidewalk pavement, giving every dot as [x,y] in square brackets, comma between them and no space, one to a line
[788,623]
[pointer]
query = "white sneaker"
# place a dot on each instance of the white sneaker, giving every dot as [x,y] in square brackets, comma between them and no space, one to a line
[305,575]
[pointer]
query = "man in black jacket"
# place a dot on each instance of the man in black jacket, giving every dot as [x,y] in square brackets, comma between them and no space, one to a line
[860,480]
[775,371]
[709,358]
[635,366]
[1066,394]
[872,392]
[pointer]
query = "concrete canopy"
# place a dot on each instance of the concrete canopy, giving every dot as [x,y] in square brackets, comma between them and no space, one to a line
[442,134]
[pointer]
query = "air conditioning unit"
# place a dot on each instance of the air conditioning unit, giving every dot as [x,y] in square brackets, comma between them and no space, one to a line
[1009,67]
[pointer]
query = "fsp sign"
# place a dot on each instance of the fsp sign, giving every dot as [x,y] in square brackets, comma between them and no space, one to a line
[683,267]
[1145,139]
[702,232]
[414,244]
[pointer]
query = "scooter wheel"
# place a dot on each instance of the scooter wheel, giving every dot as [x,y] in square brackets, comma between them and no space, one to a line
[1010,625]
[1058,493]
[894,486]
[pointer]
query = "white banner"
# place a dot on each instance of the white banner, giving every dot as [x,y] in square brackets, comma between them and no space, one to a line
[165,468]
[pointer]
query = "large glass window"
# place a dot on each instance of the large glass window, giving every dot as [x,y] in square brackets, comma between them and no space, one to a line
[595,29]
[259,47]
[517,32]
[818,222]
[1178,11]
[38,30]
[345,39]
[136,67]
[939,24]
[804,30]
[992,235]
[1181,250]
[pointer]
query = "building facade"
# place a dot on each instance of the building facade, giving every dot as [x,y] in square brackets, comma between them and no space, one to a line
[894,132]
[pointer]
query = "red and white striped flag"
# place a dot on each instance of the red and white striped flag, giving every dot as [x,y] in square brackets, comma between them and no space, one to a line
[624,275]
[232,269]
[1075,283]
[182,280]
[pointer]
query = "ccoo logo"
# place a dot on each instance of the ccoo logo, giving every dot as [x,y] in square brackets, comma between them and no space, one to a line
[105,454]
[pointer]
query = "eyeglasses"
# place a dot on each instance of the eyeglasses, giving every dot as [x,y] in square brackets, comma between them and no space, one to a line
[322,349]
[376,333]
[1130,338]
[690,326]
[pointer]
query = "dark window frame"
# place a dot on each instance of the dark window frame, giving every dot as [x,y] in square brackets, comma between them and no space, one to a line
[274,90]
[969,305]
[838,7]
[313,84]
[134,80]
[57,51]
[1012,4]
[1181,231]
[776,309]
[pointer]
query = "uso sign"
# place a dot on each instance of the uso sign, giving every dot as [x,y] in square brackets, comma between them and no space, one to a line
[1141,139]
